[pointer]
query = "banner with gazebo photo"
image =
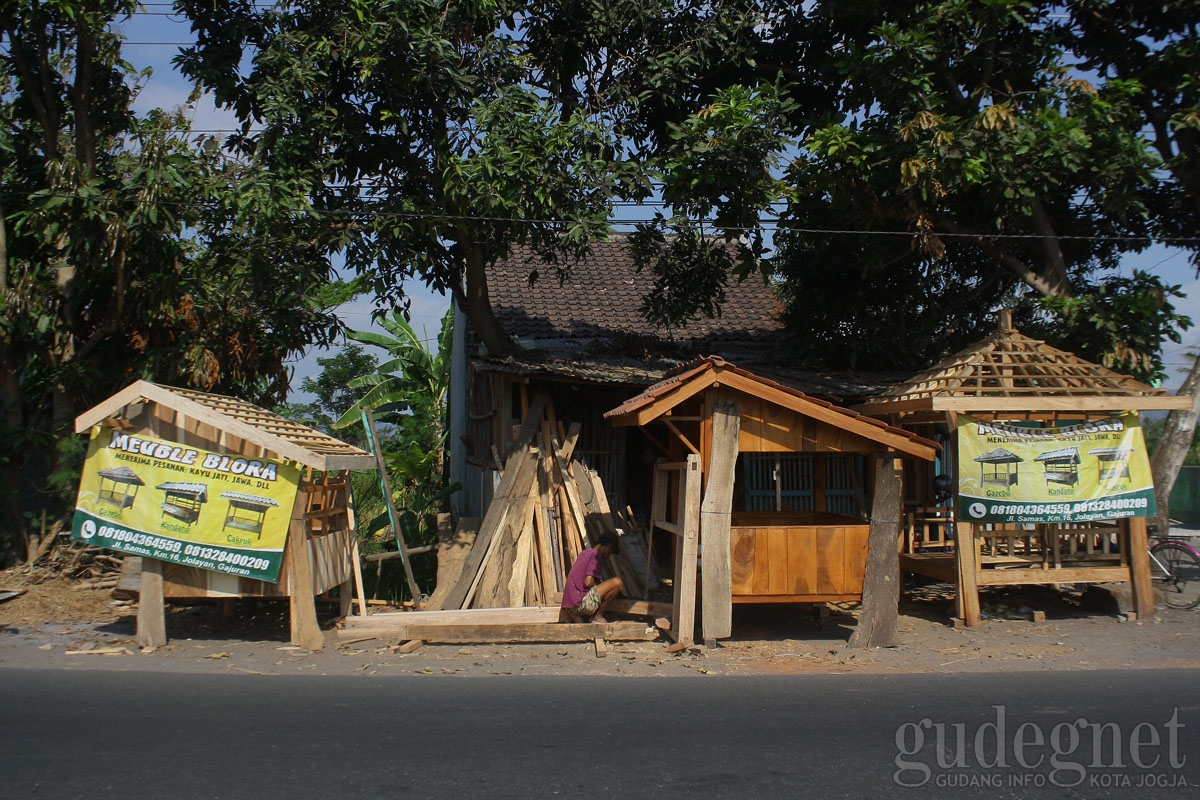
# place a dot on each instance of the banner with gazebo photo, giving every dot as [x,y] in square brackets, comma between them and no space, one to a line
[148,497]
[1075,473]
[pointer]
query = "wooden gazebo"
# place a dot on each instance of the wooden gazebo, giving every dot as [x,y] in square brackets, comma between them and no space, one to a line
[715,423]
[1012,378]
[321,547]
[119,486]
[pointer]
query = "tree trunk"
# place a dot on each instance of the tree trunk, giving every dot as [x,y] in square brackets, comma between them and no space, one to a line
[12,468]
[477,304]
[1173,447]
[881,586]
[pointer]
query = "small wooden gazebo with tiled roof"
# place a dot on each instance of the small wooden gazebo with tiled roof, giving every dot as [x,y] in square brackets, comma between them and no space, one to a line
[321,549]
[1014,378]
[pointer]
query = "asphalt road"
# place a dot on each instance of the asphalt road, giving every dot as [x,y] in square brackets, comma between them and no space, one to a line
[102,734]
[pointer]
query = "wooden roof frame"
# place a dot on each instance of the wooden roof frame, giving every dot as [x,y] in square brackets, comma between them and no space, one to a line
[1008,372]
[659,400]
[289,440]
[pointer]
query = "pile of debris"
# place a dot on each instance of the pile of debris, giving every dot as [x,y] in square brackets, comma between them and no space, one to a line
[545,510]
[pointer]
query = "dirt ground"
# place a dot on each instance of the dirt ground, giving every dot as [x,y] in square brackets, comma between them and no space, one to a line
[55,623]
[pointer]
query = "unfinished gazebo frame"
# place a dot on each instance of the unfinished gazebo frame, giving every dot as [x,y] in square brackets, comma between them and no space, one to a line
[1011,377]
[713,412]
[321,552]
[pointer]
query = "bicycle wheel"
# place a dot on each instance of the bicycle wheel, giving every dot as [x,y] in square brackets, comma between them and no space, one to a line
[1176,572]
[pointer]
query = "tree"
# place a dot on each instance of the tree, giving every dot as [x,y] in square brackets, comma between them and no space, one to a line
[1153,48]
[431,135]
[131,249]
[1014,180]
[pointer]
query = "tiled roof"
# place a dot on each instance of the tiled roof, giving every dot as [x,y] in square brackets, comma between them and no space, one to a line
[599,298]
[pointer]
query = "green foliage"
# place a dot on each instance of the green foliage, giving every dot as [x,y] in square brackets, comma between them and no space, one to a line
[128,254]
[407,395]
[1121,322]
[423,129]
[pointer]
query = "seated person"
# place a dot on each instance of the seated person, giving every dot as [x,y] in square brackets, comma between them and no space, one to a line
[584,595]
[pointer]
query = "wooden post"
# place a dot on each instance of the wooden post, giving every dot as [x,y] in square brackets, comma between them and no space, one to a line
[716,598]
[1139,567]
[968,573]
[356,556]
[151,619]
[878,621]
[683,626]
[298,562]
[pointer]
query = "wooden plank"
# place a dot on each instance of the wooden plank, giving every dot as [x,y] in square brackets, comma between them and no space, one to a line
[762,569]
[777,560]
[451,553]
[967,557]
[855,548]
[398,620]
[831,560]
[1023,577]
[741,545]
[1139,567]
[802,561]
[523,558]
[683,627]
[642,608]
[531,632]
[715,510]
[151,619]
[575,505]
[297,561]
[1040,401]
[518,475]
[408,647]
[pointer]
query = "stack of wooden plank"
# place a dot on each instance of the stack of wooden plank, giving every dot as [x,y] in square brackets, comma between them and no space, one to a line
[545,510]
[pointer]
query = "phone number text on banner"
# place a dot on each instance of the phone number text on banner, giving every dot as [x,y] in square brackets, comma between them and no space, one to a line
[216,511]
[1078,473]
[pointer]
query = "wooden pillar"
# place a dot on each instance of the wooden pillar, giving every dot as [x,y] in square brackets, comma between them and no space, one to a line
[879,618]
[968,573]
[683,626]
[1139,566]
[716,599]
[298,562]
[151,619]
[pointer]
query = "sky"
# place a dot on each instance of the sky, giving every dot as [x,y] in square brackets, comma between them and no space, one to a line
[155,35]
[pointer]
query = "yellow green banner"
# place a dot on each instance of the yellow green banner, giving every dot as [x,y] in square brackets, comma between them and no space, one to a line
[216,511]
[1093,470]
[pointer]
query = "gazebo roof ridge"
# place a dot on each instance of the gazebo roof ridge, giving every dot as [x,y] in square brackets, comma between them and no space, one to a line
[1009,371]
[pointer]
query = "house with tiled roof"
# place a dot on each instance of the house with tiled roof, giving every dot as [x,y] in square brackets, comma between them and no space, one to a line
[585,343]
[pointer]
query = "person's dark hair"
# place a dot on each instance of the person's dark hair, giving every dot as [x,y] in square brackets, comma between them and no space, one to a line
[610,539]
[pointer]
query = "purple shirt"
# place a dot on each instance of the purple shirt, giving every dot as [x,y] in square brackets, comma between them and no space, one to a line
[588,563]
